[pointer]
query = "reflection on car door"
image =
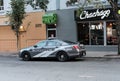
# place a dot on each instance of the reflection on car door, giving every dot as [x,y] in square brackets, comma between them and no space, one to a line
[39,48]
[50,48]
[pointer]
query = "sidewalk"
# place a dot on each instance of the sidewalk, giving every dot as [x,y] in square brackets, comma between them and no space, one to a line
[8,53]
[102,54]
[89,54]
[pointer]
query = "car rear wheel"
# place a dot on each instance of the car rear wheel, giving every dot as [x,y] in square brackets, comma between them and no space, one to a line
[26,56]
[62,56]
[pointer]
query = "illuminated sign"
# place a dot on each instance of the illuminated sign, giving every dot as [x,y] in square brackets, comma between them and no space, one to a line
[94,14]
[98,13]
[49,18]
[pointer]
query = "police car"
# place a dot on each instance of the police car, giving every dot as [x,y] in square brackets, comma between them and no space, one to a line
[61,49]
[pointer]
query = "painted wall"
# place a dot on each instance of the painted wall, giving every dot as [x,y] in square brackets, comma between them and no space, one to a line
[66,26]
[35,31]
[7,39]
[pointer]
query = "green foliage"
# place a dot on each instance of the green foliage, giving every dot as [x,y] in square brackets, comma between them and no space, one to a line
[79,11]
[70,2]
[83,3]
[42,4]
[17,14]
[49,18]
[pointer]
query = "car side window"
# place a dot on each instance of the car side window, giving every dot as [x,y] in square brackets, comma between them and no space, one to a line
[58,44]
[51,43]
[41,44]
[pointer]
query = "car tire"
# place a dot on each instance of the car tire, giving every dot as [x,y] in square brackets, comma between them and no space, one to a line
[62,56]
[26,56]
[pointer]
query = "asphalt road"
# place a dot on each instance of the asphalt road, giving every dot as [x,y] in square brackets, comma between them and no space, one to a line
[13,69]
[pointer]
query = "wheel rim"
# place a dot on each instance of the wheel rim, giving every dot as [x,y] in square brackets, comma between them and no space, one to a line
[62,57]
[26,57]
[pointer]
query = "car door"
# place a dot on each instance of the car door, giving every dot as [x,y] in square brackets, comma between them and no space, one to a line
[38,49]
[50,48]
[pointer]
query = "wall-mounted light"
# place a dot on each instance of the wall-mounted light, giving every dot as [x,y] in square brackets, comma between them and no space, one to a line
[22,29]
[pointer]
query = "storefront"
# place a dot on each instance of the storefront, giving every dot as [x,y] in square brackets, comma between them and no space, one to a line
[96,27]
[50,19]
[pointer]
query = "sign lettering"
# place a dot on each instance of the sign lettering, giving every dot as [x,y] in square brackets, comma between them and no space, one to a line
[97,13]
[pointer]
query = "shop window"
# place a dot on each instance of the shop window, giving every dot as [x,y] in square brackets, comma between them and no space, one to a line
[94,33]
[111,33]
[90,33]
[1,5]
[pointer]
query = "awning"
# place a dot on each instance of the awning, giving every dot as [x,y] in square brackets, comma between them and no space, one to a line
[49,18]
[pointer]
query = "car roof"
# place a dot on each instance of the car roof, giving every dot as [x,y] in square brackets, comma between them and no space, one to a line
[61,41]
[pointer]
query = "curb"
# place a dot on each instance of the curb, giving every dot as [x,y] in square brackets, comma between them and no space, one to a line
[104,58]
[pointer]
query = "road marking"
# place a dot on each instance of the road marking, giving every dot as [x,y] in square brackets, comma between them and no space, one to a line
[86,76]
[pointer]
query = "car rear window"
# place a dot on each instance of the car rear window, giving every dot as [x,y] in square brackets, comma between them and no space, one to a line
[65,42]
[69,42]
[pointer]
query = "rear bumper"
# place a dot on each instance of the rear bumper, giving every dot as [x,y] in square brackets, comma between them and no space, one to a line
[81,53]
[74,55]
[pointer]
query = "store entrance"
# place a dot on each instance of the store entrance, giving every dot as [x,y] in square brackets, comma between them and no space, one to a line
[96,34]
[83,33]
[51,30]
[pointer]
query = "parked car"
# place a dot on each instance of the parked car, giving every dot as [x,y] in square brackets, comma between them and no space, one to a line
[63,50]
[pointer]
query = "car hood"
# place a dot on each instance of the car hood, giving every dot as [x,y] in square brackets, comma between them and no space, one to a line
[27,48]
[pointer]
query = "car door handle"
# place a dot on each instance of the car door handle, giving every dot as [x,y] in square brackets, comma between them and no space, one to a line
[30,49]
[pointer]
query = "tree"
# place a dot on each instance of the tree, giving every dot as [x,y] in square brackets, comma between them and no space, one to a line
[97,3]
[38,4]
[114,5]
[16,15]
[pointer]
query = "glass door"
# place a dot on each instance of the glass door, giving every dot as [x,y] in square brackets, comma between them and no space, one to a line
[96,34]
[51,33]
[83,33]
[51,30]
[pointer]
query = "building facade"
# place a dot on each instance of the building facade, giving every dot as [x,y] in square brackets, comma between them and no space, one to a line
[95,27]
[34,29]
[97,33]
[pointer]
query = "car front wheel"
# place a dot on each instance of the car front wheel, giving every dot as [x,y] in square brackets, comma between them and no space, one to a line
[26,56]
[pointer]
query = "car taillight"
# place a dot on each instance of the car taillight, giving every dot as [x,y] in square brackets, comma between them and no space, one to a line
[76,47]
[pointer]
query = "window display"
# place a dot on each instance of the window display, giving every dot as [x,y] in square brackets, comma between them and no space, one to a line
[111,34]
[97,33]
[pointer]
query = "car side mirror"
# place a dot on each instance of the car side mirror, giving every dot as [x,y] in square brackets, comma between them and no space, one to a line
[35,46]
